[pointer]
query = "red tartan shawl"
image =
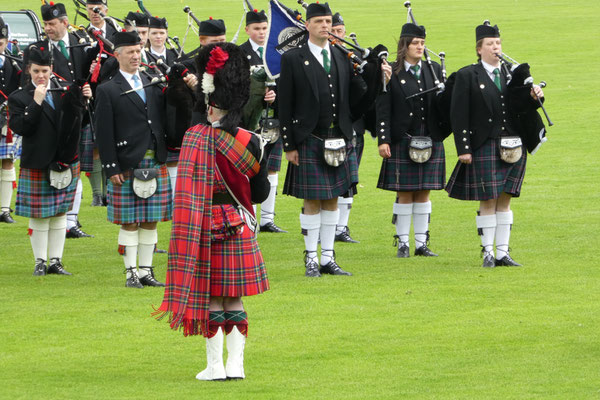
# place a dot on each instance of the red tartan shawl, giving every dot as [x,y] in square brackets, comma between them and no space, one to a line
[187,291]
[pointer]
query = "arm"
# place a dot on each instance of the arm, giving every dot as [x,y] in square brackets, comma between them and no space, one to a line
[383,110]
[286,102]
[105,134]
[459,113]
[24,118]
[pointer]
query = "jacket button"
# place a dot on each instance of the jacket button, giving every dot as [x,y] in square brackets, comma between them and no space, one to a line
[490,120]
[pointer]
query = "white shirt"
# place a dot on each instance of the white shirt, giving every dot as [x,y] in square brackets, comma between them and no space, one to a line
[407,66]
[490,69]
[103,29]
[255,46]
[129,78]
[64,39]
[163,54]
[316,51]
[3,60]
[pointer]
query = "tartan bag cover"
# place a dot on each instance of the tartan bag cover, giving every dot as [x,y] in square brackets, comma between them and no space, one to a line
[187,292]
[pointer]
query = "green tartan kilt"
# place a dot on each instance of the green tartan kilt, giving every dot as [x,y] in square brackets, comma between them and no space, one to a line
[273,154]
[400,174]
[314,179]
[487,176]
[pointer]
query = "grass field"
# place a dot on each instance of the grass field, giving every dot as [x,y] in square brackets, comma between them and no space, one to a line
[439,328]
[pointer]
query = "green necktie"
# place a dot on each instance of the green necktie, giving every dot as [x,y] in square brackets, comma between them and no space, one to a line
[326,63]
[497,78]
[415,70]
[63,48]
[260,52]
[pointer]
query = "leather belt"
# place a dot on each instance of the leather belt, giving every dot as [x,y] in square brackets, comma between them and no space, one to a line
[222,198]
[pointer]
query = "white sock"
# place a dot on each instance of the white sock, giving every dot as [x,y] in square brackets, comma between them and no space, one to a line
[403,214]
[486,225]
[173,178]
[39,237]
[310,225]
[56,236]
[147,240]
[329,220]
[421,213]
[344,205]
[267,207]
[7,178]
[504,221]
[129,239]
[72,214]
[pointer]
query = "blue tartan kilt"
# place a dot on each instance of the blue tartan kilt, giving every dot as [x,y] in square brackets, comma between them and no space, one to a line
[37,199]
[488,176]
[124,207]
[12,150]
[172,156]
[400,174]
[313,179]
[86,149]
[273,153]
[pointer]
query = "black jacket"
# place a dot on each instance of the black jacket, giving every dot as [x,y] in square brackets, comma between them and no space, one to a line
[396,115]
[478,110]
[253,58]
[126,127]
[9,78]
[298,94]
[78,64]
[37,124]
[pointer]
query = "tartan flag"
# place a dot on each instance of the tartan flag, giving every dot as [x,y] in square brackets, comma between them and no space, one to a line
[284,33]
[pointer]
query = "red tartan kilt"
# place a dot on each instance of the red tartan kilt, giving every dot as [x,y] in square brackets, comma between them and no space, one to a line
[237,266]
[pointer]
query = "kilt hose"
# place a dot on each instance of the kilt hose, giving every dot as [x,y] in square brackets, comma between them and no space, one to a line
[401,174]
[37,199]
[488,176]
[314,179]
[86,149]
[236,265]
[273,152]
[124,207]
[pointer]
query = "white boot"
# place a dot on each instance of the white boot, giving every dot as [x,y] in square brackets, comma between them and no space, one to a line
[214,359]
[235,354]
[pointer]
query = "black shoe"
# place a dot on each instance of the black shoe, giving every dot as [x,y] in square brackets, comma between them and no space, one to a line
[150,280]
[333,269]
[271,227]
[312,268]
[489,262]
[6,218]
[97,201]
[507,261]
[56,267]
[345,236]
[160,251]
[403,250]
[40,267]
[425,252]
[76,233]
[133,281]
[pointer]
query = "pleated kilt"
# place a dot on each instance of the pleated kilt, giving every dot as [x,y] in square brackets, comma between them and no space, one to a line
[172,156]
[273,153]
[86,149]
[237,266]
[37,199]
[314,179]
[400,174]
[488,176]
[124,207]
[10,150]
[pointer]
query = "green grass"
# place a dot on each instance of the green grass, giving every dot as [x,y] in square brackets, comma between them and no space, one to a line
[439,328]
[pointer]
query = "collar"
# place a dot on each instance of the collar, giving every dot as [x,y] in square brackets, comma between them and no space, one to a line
[162,54]
[65,39]
[129,76]
[103,29]
[316,51]
[255,45]
[489,68]
[407,65]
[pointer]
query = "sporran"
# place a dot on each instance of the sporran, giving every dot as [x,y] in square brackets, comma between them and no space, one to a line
[334,151]
[420,149]
[511,149]
[145,182]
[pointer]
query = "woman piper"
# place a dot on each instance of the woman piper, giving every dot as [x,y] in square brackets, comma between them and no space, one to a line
[487,143]
[49,124]
[410,133]
[214,257]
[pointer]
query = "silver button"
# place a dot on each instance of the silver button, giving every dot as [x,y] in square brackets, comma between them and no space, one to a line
[466,147]
[410,114]
[285,136]
[149,121]
[490,120]
[382,130]
[284,128]
[114,165]
[383,124]
[334,115]
[464,131]
[332,95]
[383,137]
[333,105]
[502,128]
[464,139]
